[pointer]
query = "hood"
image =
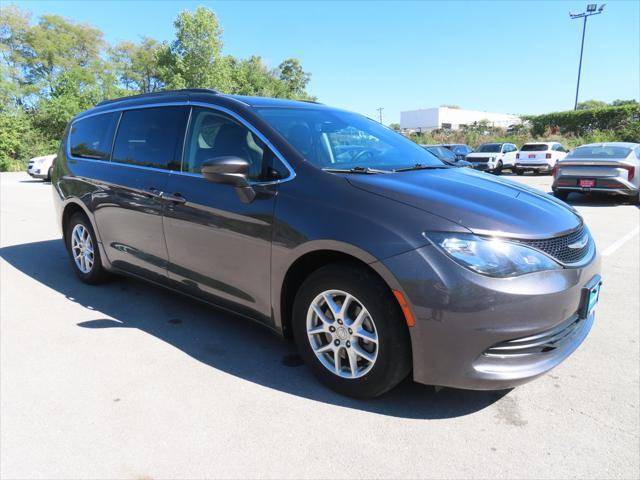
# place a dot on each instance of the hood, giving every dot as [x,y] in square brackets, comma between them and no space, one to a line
[482,203]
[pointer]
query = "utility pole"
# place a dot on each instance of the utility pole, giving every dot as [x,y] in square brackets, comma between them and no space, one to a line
[592,9]
[380,113]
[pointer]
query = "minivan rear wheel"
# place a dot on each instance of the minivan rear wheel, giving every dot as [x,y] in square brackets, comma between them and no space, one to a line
[350,331]
[83,250]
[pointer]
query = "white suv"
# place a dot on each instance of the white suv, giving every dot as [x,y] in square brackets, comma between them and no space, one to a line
[493,157]
[539,157]
[40,167]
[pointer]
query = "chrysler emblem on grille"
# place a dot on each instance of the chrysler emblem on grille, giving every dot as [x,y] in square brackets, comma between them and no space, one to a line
[580,243]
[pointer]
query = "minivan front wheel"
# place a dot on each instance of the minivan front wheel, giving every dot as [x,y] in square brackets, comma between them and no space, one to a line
[351,332]
[82,247]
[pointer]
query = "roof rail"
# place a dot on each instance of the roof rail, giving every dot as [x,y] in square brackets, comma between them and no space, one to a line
[159,93]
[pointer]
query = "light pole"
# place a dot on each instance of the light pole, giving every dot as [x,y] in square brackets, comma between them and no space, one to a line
[380,113]
[592,9]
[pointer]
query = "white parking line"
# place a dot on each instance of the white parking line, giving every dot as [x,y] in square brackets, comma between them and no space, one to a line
[621,241]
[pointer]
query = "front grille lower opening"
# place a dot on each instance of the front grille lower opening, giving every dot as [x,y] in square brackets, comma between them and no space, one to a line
[543,342]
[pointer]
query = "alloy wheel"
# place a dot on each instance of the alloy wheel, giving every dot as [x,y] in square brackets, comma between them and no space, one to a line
[342,334]
[82,248]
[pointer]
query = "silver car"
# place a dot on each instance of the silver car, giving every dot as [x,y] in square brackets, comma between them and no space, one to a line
[611,167]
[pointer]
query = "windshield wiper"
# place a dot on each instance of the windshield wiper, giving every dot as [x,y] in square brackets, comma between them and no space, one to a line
[420,166]
[358,169]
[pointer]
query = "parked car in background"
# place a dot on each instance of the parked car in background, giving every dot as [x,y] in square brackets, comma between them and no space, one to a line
[539,157]
[40,167]
[446,155]
[380,262]
[612,168]
[493,157]
[460,149]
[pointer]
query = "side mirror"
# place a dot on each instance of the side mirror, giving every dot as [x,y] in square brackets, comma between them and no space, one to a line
[230,170]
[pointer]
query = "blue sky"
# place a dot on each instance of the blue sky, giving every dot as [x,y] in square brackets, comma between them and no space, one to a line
[503,56]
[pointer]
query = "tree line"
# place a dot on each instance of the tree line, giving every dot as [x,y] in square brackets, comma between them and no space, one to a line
[53,68]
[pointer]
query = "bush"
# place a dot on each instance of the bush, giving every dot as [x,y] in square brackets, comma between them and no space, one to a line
[583,122]
[20,141]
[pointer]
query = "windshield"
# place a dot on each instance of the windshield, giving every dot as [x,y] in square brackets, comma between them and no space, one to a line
[534,147]
[343,140]
[461,149]
[442,153]
[489,148]
[600,151]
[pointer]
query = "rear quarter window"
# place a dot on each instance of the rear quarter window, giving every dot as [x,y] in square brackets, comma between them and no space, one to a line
[92,137]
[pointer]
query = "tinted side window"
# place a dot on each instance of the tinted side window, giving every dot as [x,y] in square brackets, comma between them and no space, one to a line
[213,134]
[151,137]
[92,137]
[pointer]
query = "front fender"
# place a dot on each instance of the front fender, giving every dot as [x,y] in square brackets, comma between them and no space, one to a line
[284,259]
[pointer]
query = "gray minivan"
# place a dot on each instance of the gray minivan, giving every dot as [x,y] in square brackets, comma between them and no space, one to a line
[324,225]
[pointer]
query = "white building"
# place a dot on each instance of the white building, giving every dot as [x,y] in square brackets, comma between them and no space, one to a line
[452,118]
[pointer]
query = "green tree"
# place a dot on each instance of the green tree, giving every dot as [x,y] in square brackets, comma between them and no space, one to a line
[618,103]
[14,25]
[590,104]
[252,77]
[193,59]
[394,126]
[55,45]
[293,78]
[136,65]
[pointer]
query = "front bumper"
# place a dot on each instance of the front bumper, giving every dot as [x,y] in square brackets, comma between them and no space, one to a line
[483,167]
[35,172]
[461,316]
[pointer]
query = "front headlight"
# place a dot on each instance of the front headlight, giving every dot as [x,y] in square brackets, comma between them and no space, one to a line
[493,257]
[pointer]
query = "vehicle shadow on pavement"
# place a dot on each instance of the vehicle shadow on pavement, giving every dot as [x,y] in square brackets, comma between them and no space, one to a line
[222,340]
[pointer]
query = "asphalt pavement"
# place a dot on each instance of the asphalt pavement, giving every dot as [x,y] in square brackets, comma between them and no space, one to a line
[129,381]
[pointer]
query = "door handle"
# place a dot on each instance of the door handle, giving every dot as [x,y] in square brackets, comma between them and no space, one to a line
[175,198]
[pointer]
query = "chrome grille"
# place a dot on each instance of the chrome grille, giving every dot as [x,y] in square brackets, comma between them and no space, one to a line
[558,247]
[543,342]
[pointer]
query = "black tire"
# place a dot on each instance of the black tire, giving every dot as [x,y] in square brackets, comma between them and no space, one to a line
[518,171]
[48,179]
[97,274]
[393,362]
[498,169]
[561,194]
